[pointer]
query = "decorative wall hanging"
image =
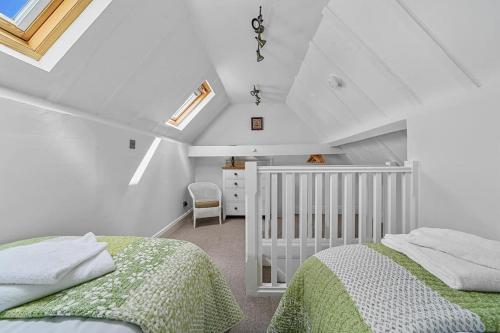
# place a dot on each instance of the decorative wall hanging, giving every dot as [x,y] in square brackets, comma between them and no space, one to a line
[259,28]
[257,123]
[255,93]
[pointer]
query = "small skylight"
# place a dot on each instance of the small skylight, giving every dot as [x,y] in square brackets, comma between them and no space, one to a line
[22,13]
[31,27]
[12,7]
[190,108]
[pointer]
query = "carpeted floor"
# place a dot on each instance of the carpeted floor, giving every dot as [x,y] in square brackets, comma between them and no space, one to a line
[226,245]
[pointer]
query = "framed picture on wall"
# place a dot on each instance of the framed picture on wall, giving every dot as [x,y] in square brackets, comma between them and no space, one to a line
[257,123]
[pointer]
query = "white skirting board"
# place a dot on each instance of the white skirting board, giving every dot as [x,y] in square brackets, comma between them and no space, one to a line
[172,226]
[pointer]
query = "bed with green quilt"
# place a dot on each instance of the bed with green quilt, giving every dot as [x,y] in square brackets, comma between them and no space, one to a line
[159,285]
[372,288]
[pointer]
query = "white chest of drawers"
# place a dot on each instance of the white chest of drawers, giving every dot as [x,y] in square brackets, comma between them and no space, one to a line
[233,192]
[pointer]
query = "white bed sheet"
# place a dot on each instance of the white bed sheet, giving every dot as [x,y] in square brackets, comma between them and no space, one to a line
[65,325]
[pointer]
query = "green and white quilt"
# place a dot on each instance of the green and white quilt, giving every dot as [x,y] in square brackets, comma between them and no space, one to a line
[371,288]
[161,285]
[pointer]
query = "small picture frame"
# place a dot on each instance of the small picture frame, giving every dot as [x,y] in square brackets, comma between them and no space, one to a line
[257,123]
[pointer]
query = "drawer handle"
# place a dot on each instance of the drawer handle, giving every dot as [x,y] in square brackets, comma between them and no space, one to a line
[236,174]
[235,184]
[236,195]
[235,208]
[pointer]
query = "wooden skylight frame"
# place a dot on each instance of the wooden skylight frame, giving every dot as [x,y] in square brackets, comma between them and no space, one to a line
[44,31]
[201,93]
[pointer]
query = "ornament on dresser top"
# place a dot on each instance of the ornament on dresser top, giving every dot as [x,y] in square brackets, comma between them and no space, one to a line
[316,159]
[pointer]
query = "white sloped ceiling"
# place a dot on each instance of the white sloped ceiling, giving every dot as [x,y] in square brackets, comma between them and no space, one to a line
[225,27]
[139,60]
[394,57]
[135,65]
[378,150]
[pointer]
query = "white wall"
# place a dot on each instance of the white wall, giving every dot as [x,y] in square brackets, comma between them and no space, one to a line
[232,127]
[458,146]
[283,126]
[64,175]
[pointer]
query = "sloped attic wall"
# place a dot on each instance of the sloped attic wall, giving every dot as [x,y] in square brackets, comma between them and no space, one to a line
[458,145]
[378,150]
[394,57]
[136,65]
[63,175]
[415,60]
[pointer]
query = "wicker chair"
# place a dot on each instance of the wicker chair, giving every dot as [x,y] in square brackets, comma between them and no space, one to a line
[207,200]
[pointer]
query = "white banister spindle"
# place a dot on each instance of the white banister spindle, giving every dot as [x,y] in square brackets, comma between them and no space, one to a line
[377,207]
[267,205]
[283,207]
[303,215]
[334,208]
[274,229]
[327,205]
[318,202]
[362,206]
[290,221]
[414,193]
[404,203]
[348,209]
[251,232]
[369,209]
[309,205]
[260,230]
[390,220]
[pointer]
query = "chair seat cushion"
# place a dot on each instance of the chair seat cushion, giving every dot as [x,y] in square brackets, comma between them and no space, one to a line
[206,203]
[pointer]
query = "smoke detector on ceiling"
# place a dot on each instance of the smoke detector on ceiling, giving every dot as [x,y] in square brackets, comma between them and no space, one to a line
[335,82]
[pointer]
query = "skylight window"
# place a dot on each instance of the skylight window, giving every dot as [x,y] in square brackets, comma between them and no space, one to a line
[22,13]
[11,8]
[31,27]
[190,108]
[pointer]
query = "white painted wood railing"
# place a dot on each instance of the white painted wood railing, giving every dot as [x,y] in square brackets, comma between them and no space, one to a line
[294,212]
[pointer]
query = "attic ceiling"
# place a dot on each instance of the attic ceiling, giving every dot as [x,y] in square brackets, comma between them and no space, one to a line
[135,65]
[394,57]
[228,35]
[140,59]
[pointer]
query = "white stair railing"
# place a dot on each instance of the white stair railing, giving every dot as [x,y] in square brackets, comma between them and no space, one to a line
[294,212]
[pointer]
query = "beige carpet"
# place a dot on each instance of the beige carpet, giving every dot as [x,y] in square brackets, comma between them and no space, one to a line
[226,245]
